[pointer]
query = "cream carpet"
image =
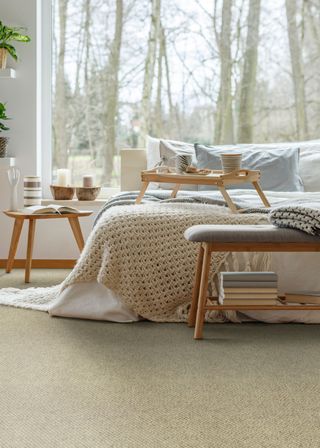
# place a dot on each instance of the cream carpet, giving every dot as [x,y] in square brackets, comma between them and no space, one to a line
[70,383]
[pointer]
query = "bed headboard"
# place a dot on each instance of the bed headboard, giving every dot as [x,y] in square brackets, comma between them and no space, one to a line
[133,161]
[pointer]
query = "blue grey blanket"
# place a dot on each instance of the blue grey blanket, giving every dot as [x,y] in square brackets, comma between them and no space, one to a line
[294,210]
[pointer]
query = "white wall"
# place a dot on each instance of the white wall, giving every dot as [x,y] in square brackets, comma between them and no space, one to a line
[53,239]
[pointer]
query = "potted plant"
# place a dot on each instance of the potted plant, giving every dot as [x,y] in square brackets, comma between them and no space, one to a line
[3,140]
[7,35]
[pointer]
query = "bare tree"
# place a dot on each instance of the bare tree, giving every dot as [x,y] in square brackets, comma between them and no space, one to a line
[297,69]
[149,70]
[249,74]
[60,106]
[113,92]
[224,117]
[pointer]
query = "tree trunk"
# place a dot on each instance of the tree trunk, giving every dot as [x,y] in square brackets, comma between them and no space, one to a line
[149,71]
[224,116]
[112,93]
[249,75]
[158,106]
[87,26]
[60,107]
[297,70]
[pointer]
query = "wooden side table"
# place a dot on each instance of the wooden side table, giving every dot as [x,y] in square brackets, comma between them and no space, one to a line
[19,219]
[216,178]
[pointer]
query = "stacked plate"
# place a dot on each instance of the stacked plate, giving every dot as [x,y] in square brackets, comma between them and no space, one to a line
[231,162]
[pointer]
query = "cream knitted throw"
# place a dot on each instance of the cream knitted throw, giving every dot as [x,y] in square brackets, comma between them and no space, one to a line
[140,253]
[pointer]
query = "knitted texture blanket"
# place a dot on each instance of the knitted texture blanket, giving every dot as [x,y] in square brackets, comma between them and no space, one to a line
[140,253]
[306,219]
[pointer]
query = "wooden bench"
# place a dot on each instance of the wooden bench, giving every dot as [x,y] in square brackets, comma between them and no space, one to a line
[240,238]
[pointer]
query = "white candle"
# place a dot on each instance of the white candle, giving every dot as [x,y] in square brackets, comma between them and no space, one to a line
[87,181]
[63,177]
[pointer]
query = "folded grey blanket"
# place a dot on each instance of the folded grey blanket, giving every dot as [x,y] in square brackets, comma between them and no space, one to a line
[297,217]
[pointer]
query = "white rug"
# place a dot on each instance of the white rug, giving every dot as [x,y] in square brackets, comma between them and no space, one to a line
[32,298]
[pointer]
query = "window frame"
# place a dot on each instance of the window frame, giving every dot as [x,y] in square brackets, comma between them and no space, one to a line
[44,100]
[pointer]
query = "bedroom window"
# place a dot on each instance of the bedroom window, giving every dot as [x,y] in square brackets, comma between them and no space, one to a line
[215,71]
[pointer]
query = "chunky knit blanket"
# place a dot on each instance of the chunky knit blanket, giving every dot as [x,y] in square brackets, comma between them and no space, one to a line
[140,253]
[298,217]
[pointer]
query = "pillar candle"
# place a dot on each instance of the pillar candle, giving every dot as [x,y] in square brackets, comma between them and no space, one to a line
[87,181]
[63,177]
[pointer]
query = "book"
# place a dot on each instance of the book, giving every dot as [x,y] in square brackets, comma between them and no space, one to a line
[303,297]
[254,285]
[250,290]
[249,296]
[250,302]
[249,276]
[51,209]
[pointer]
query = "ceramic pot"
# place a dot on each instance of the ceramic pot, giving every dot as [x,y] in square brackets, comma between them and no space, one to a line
[4,146]
[3,58]
[32,190]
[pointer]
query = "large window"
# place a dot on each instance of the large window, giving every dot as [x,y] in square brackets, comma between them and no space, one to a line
[216,71]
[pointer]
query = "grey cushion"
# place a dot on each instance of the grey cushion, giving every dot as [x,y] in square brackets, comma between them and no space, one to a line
[170,150]
[279,166]
[263,233]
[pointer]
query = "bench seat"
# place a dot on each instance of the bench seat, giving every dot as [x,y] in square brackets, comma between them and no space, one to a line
[260,233]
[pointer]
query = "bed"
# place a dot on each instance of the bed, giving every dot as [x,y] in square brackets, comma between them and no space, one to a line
[98,298]
[137,264]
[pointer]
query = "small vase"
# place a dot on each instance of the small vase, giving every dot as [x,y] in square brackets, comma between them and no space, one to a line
[3,58]
[4,146]
[32,190]
[14,177]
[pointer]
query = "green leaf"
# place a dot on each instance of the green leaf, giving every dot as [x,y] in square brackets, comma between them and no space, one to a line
[20,37]
[3,127]
[11,50]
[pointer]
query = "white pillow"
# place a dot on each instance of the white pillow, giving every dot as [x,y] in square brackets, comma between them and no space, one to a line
[153,151]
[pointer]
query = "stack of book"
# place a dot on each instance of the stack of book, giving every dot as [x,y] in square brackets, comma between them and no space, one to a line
[248,288]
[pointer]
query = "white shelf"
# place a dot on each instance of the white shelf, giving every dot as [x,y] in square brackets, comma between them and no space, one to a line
[6,162]
[8,73]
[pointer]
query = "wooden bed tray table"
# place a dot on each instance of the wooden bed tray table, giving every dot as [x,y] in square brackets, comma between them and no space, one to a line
[214,178]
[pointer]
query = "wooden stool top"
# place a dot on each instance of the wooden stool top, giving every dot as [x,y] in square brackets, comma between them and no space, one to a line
[20,215]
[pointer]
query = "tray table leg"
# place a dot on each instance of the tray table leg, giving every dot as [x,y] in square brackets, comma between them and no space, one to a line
[261,194]
[175,190]
[143,189]
[227,198]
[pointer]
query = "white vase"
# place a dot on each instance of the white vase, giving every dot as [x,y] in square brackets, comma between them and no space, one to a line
[13,177]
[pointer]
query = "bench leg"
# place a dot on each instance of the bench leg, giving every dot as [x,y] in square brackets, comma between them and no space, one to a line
[18,224]
[32,227]
[203,292]
[195,292]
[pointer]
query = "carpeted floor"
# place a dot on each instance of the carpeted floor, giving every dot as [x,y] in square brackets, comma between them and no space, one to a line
[70,383]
